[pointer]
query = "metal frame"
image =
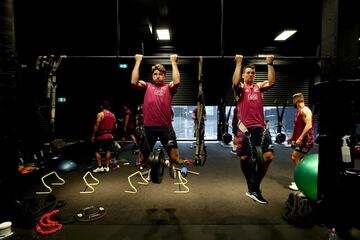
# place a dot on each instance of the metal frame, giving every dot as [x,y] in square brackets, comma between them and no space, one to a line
[206,57]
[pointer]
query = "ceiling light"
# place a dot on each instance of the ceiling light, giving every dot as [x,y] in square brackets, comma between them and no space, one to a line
[163,34]
[150,27]
[285,35]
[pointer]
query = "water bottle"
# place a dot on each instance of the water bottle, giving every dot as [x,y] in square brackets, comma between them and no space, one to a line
[345,150]
[333,235]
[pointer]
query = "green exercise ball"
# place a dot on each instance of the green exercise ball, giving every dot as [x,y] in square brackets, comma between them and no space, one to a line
[306,175]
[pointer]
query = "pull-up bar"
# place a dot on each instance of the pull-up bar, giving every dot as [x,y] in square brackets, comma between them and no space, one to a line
[207,57]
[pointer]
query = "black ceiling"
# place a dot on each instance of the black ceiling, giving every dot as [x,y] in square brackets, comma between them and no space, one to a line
[198,27]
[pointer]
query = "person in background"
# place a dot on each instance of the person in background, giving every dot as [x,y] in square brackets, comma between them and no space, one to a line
[139,117]
[302,138]
[139,130]
[157,110]
[102,136]
[250,114]
[129,126]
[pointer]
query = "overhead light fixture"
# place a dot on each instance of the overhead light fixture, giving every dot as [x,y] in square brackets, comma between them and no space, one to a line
[163,34]
[285,35]
[150,28]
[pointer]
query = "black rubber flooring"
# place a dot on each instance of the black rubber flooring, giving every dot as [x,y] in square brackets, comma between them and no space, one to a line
[214,208]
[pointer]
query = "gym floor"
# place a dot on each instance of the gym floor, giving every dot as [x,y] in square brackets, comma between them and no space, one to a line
[214,208]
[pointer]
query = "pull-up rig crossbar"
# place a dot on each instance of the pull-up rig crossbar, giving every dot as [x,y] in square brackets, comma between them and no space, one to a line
[204,57]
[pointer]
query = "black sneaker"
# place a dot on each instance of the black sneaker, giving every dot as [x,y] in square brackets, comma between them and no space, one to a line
[256,196]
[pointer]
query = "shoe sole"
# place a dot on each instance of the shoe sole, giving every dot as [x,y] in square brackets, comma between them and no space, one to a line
[292,188]
[255,199]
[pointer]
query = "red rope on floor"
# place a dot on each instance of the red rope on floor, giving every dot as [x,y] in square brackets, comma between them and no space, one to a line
[46,222]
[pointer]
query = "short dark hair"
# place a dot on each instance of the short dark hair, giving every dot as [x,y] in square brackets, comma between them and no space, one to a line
[252,66]
[105,104]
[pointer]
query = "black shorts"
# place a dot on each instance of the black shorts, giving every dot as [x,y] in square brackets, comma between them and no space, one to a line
[234,127]
[103,145]
[260,136]
[166,136]
[130,131]
[302,149]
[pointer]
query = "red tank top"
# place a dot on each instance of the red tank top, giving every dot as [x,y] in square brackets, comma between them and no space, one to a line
[157,105]
[250,107]
[299,125]
[107,126]
[131,124]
